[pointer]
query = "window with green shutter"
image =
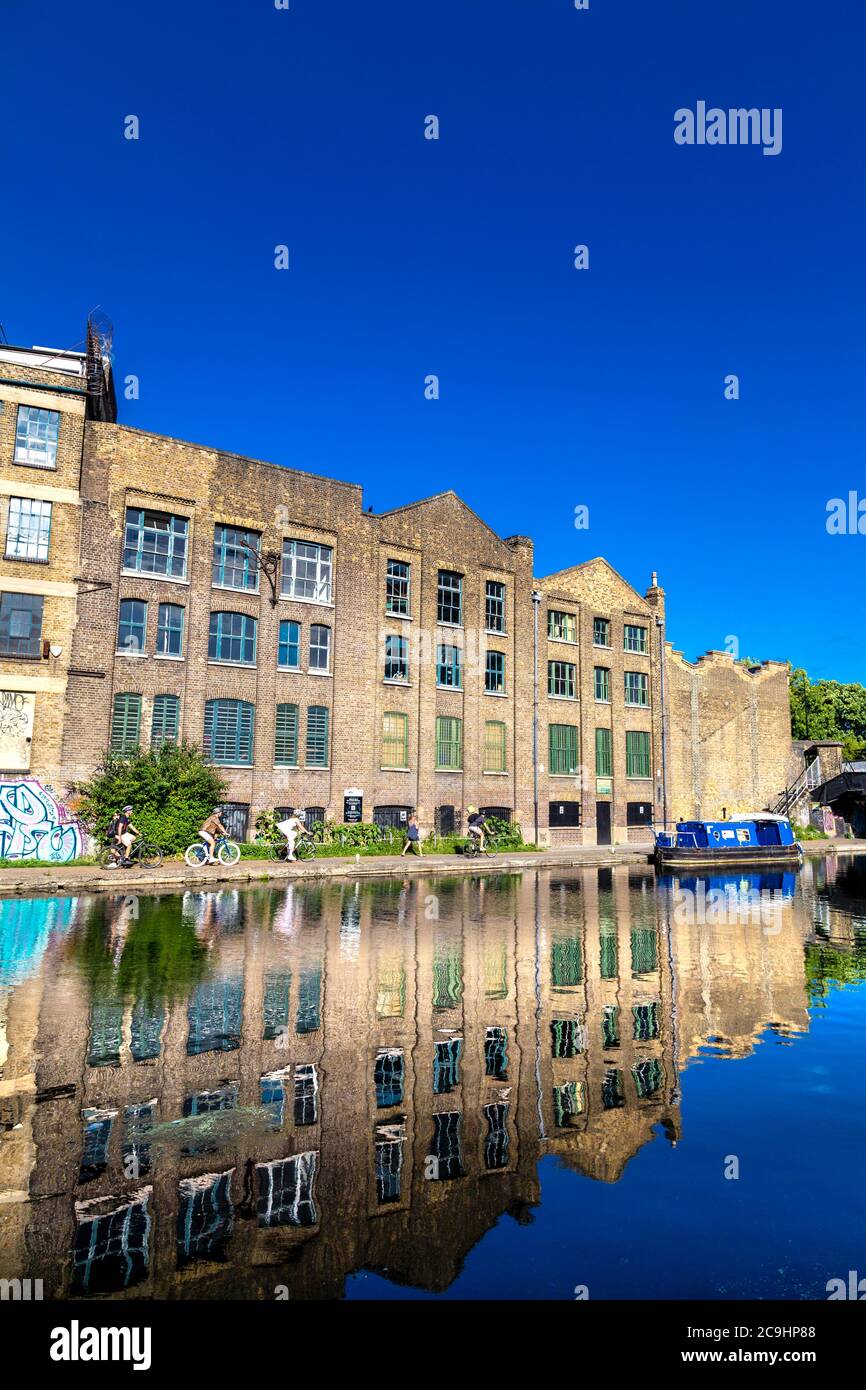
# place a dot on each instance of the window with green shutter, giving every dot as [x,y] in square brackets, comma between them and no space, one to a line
[449,743]
[286,736]
[603,755]
[494,746]
[637,754]
[125,723]
[166,720]
[563,748]
[318,717]
[395,739]
[229,728]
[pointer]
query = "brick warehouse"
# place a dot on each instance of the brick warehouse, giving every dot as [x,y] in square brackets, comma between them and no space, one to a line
[358,663]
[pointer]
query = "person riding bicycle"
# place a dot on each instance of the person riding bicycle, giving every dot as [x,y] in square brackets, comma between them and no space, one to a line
[212,827]
[292,827]
[123,835]
[477,826]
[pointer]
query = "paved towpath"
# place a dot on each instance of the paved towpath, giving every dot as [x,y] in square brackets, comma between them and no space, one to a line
[175,874]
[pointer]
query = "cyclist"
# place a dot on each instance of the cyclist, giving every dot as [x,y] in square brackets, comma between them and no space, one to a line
[212,827]
[477,825]
[292,827]
[123,835]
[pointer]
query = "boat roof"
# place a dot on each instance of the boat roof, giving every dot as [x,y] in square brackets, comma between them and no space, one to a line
[734,820]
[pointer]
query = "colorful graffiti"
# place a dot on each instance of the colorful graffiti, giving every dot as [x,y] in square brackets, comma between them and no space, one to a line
[33,825]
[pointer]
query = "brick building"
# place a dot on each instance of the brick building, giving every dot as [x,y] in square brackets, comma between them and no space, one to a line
[46,396]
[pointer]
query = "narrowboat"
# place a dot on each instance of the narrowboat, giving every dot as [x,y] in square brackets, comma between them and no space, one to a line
[757,838]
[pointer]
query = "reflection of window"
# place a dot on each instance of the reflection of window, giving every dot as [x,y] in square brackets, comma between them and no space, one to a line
[612,1090]
[276,1004]
[446,1156]
[36,435]
[28,529]
[306,1090]
[566,1037]
[446,1066]
[447,976]
[307,571]
[125,723]
[155,543]
[388,1077]
[496,1054]
[97,1135]
[286,1194]
[137,1125]
[110,1250]
[132,625]
[648,1077]
[214,1015]
[205,1218]
[610,1025]
[566,964]
[272,1088]
[21,625]
[106,1024]
[646,1021]
[309,1000]
[397,588]
[389,1165]
[568,1103]
[496,1139]
[146,1030]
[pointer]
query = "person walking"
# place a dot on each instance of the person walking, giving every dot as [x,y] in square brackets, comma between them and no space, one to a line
[413,837]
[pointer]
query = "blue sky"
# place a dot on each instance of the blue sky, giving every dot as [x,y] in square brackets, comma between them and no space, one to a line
[410,257]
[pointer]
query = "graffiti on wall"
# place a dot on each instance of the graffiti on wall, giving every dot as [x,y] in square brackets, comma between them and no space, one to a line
[33,825]
[16,728]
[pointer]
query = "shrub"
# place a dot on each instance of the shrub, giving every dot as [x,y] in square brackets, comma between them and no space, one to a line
[172,790]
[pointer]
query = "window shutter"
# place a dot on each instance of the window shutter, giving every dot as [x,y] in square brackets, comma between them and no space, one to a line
[286,736]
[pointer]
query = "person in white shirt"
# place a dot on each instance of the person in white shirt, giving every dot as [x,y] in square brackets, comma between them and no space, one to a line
[292,827]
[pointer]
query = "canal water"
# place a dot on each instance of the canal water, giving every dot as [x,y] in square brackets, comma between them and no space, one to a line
[555,1084]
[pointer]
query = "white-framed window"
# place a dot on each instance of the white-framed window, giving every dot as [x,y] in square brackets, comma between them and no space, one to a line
[235,558]
[494,606]
[36,435]
[320,647]
[396,658]
[449,598]
[397,581]
[29,529]
[308,571]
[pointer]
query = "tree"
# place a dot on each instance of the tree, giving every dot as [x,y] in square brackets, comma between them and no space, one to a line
[171,790]
[827,710]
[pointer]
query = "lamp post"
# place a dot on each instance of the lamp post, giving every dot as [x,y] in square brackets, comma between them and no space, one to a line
[536,604]
[268,561]
[661,638]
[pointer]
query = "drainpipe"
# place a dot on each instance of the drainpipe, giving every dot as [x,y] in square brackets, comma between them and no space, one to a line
[661,636]
[536,603]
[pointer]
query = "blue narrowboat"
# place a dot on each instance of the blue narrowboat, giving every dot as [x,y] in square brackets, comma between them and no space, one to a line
[758,838]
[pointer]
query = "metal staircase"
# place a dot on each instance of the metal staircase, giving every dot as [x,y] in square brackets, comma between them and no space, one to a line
[789,799]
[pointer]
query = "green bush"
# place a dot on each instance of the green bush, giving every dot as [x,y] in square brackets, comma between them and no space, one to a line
[172,790]
[809,832]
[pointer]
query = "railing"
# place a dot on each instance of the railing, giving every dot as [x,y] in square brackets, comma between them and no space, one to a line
[808,780]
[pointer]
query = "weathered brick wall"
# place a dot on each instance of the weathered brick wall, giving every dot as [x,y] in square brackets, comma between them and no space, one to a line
[45,678]
[729,735]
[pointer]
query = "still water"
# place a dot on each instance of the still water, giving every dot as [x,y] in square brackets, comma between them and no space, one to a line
[505,1086]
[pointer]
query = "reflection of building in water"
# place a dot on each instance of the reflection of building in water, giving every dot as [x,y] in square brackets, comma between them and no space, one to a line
[350,1076]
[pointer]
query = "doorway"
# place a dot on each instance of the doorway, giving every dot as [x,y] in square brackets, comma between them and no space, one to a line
[602,822]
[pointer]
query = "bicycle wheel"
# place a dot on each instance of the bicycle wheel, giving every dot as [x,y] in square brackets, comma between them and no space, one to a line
[150,856]
[106,857]
[196,855]
[305,849]
[228,852]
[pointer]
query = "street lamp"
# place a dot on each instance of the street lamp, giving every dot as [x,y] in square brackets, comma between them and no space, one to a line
[268,561]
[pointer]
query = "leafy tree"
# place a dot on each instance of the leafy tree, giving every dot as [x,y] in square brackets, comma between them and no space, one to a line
[171,790]
[828,710]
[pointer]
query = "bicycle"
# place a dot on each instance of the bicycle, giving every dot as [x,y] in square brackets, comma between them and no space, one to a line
[472,848]
[305,848]
[145,855]
[227,851]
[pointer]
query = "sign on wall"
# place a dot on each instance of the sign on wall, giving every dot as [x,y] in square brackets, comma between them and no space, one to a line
[16,729]
[353,808]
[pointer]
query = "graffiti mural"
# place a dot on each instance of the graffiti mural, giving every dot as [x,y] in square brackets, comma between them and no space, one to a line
[33,825]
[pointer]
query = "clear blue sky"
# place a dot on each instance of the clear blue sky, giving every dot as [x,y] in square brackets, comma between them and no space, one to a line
[409,257]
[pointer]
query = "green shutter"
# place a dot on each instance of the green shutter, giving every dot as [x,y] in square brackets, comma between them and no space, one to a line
[395,739]
[637,754]
[449,743]
[317,735]
[563,748]
[228,731]
[494,746]
[603,762]
[125,723]
[166,719]
[286,736]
